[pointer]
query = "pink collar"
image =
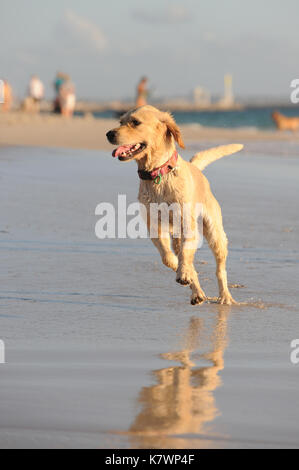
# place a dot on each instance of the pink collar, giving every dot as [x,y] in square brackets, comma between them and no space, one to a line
[156,174]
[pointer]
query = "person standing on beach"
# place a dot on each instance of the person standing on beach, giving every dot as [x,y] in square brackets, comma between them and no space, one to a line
[67,98]
[142,92]
[60,78]
[58,82]
[36,91]
[7,94]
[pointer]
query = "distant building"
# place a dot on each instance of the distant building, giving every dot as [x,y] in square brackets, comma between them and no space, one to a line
[228,98]
[201,97]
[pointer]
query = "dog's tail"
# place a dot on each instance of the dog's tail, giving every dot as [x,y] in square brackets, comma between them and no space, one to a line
[204,158]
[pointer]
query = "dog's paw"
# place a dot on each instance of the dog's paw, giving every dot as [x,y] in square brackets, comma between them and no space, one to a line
[226,299]
[184,276]
[198,297]
[183,282]
[195,300]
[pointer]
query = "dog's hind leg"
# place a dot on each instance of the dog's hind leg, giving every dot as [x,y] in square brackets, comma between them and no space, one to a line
[217,240]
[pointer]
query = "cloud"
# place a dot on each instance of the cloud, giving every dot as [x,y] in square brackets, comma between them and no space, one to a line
[173,14]
[84,30]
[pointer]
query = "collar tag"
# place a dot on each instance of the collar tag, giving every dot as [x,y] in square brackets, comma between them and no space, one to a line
[158,179]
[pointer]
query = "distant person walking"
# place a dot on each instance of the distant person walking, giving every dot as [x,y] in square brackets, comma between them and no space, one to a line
[142,92]
[67,98]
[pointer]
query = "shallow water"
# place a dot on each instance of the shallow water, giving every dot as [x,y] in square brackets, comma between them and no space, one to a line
[102,346]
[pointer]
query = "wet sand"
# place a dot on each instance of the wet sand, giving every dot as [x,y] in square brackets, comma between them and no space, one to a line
[103,349]
[48,130]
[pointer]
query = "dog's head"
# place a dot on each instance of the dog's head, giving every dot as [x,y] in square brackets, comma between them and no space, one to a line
[144,132]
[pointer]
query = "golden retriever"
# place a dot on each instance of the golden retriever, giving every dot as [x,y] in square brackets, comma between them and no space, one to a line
[148,136]
[285,123]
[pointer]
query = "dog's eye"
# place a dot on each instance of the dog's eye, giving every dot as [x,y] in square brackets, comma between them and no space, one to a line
[135,122]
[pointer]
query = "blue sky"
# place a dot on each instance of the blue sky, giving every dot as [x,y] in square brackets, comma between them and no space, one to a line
[107,45]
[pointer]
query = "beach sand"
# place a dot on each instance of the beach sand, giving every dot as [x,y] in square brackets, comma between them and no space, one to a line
[103,349]
[46,130]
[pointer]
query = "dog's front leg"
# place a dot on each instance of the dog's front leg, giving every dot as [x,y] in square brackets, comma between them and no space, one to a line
[167,256]
[163,243]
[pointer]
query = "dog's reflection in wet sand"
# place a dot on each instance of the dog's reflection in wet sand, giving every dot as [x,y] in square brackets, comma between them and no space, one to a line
[182,401]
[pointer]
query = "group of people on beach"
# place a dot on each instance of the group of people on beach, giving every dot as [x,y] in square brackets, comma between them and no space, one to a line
[65,96]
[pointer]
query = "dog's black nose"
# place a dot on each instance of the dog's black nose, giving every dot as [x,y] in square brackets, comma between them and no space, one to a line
[111,136]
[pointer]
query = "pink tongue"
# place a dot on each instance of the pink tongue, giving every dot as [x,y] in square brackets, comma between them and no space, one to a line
[121,149]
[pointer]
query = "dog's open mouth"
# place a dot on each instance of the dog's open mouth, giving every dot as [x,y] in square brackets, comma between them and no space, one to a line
[126,152]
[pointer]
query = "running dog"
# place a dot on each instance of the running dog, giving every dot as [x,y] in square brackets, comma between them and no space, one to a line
[148,136]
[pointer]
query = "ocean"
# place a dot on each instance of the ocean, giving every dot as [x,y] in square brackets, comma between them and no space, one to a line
[258,118]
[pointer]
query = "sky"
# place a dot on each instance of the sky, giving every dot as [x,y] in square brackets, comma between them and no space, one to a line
[106,46]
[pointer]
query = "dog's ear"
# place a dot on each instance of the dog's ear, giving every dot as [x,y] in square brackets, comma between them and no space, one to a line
[172,128]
